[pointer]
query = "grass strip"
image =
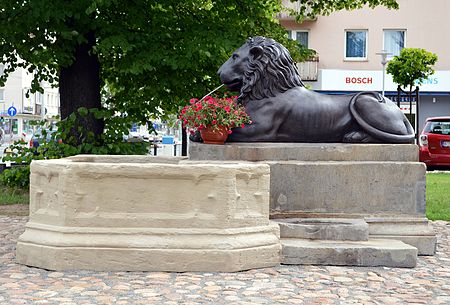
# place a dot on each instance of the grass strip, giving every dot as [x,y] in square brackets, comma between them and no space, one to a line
[10,196]
[438,196]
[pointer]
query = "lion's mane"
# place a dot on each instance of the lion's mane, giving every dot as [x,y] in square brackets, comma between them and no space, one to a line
[271,73]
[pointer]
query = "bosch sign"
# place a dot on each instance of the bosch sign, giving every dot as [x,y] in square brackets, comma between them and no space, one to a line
[358,80]
[362,80]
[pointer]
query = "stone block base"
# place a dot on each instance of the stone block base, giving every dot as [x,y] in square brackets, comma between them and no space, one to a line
[374,252]
[179,250]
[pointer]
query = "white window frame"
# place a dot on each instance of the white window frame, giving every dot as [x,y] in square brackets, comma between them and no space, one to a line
[390,56]
[294,34]
[345,45]
[289,33]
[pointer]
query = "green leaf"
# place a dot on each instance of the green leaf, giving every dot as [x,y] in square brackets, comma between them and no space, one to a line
[83,111]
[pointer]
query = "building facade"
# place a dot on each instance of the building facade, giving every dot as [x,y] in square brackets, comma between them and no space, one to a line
[348,44]
[27,107]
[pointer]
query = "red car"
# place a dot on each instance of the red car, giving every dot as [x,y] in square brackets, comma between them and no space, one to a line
[434,142]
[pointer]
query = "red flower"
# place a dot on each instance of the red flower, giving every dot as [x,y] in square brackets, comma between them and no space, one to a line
[230,132]
[213,111]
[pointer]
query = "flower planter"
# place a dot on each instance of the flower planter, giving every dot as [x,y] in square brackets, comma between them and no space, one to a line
[211,135]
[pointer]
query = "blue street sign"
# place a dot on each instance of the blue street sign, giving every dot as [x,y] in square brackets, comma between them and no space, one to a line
[12,111]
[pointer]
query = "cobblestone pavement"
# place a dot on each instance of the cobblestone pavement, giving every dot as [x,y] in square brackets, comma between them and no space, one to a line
[428,283]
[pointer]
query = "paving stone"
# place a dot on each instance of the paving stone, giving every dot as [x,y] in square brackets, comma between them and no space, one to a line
[427,283]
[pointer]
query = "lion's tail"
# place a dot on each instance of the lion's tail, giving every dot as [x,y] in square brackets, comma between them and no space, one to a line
[374,131]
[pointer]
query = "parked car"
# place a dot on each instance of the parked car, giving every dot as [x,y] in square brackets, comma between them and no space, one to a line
[434,142]
[133,136]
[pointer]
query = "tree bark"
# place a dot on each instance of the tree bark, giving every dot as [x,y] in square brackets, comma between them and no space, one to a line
[79,85]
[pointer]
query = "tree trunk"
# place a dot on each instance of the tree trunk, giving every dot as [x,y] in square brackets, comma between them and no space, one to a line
[79,85]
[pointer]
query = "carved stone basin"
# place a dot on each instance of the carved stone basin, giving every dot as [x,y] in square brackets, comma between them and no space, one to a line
[143,213]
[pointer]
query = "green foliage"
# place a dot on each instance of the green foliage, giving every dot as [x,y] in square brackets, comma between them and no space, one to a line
[304,53]
[62,143]
[411,66]
[111,142]
[152,54]
[18,176]
[311,9]
[177,55]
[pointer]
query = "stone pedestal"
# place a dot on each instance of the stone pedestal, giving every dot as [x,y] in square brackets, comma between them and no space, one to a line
[142,213]
[384,184]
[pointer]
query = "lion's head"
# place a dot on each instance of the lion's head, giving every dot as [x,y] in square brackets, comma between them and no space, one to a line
[259,69]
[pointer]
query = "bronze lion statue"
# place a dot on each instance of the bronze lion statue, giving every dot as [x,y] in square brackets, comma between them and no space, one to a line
[283,110]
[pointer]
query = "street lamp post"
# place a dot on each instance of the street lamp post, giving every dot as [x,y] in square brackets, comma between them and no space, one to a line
[384,61]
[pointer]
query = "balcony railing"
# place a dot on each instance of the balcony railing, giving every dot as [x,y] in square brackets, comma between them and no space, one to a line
[309,69]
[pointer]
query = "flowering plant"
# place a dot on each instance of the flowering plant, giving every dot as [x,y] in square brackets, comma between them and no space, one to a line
[214,112]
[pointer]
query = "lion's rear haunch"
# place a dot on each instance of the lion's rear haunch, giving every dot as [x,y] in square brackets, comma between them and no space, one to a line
[398,131]
[282,110]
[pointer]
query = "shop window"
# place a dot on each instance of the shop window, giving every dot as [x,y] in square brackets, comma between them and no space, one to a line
[15,126]
[394,41]
[356,44]
[9,124]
